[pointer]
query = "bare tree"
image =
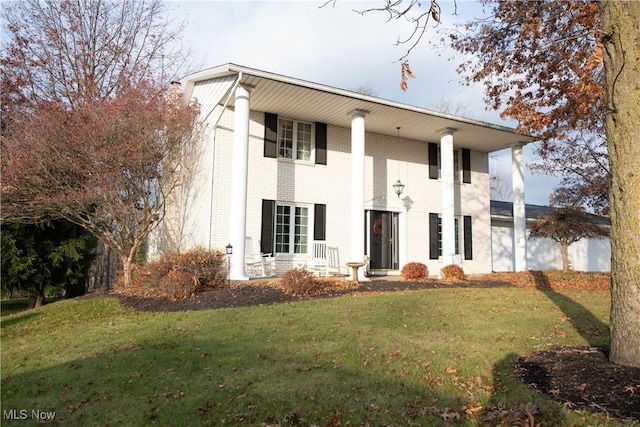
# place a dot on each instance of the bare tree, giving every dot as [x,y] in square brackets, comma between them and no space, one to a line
[445,106]
[500,186]
[366,89]
[73,50]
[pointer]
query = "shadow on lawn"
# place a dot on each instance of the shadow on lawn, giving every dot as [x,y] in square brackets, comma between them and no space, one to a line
[584,322]
[177,380]
[577,377]
[5,322]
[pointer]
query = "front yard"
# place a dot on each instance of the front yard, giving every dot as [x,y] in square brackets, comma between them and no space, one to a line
[421,354]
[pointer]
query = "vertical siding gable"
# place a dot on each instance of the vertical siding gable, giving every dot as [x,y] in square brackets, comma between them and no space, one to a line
[210,95]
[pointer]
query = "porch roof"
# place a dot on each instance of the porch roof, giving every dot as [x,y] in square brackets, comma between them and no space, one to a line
[504,210]
[309,101]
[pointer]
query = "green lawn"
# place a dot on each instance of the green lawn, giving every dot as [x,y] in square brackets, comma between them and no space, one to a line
[424,357]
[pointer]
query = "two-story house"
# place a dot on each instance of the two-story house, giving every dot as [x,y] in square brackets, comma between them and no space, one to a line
[285,162]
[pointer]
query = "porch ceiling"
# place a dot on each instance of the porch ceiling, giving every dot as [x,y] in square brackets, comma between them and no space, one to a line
[303,100]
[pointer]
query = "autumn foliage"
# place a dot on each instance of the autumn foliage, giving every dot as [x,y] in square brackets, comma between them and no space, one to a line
[300,282]
[92,131]
[452,273]
[178,276]
[547,280]
[106,164]
[415,271]
[541,64]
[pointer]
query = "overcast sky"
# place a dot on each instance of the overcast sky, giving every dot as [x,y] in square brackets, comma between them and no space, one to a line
[339,47]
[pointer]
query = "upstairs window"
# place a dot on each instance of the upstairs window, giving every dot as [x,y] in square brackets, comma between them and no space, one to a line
[456,164]
[295,139]
[459,156]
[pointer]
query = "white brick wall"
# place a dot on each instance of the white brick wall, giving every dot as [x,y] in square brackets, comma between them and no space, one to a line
[298,182]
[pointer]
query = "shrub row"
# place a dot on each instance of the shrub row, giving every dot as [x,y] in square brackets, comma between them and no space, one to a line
[179,275]
[419,271]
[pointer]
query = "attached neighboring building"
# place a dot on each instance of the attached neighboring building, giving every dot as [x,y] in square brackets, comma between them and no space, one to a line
[286,162]
[544,254]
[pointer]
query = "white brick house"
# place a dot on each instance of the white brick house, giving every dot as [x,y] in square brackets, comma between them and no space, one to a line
[286,162]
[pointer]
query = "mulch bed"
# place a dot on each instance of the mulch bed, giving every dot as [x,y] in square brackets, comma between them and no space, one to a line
[580,378]
[583,378]
[245,294]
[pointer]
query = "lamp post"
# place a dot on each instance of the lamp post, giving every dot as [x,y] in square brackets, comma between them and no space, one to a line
[229,250]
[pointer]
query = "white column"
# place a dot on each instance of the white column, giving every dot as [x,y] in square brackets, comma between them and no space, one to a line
[519,218]
[357,188]
[447,197]
[239,174]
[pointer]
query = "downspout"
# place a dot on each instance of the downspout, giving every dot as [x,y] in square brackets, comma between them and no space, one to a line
[215,126]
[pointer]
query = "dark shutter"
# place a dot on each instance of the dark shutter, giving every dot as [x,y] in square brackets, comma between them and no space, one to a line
[268,226]
[319,222]
[433,236]
[433,160]
[270,135]
[321,143]
[466,166]
[468,239]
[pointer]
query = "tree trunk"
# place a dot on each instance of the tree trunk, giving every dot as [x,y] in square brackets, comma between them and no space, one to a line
[37,300]
[564,251]
[127,265]
[620,25]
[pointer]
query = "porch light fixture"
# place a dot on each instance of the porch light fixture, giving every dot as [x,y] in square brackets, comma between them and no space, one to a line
[398,186]
[229,251]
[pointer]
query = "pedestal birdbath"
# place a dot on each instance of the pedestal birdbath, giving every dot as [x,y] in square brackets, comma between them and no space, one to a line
[355,266]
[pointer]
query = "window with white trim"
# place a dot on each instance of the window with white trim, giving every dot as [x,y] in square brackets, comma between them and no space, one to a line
[295,139]
[292,229]
[456,233]
[456,164]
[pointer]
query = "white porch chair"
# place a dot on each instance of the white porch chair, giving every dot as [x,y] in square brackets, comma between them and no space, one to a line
[257,264]
[333,260]
[318,259]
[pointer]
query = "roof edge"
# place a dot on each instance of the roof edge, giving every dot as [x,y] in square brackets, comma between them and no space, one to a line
[231,68]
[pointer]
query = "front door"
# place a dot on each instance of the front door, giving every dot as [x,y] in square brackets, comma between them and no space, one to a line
[382,240]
